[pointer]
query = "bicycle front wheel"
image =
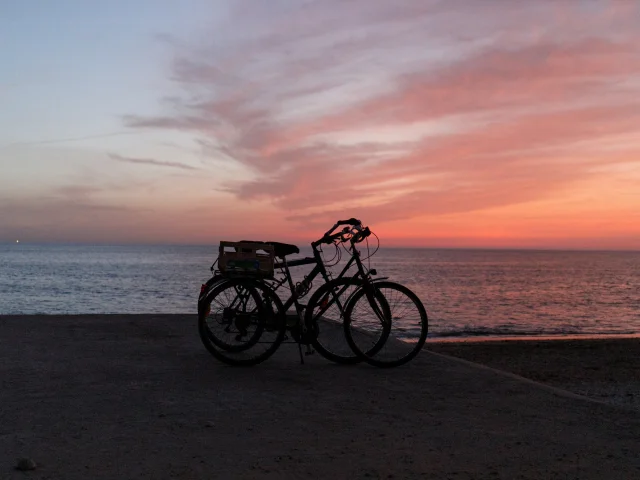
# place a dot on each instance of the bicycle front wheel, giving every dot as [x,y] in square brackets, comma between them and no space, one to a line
[241,322]
[405,324]
[325,314]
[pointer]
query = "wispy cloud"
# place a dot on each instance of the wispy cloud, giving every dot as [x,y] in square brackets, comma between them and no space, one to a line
[52,141]
[150,161]
[521,91]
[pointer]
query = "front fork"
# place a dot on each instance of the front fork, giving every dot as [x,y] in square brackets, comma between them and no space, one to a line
[300,310]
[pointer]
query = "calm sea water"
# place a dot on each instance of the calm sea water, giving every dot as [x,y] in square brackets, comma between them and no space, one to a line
[466,292]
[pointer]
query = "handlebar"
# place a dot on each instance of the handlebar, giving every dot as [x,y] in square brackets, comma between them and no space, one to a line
[351,221]
[358,233]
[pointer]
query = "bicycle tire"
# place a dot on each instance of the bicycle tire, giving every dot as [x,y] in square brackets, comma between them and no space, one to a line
[231,348]
[346,356]
[265,313]
[367,356]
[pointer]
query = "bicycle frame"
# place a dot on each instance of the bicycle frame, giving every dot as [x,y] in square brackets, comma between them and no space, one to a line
[294,299]
[318,269]
[366,283]
[300,328]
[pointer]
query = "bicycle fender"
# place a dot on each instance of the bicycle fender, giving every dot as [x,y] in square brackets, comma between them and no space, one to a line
[214,281]
[208,285]
[379,279]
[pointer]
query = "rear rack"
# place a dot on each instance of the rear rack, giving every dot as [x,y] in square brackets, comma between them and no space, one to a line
[246,259]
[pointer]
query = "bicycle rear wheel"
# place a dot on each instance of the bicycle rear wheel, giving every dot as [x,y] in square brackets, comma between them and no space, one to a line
[325,314]
[241,322]
[406,324]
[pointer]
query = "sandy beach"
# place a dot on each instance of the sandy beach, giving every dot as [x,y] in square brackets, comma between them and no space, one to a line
[600,368]
[138,396]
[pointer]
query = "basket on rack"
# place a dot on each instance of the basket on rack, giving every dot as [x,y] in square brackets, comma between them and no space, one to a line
[239,259]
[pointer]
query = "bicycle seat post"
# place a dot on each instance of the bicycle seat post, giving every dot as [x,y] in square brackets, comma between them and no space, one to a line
[296,301]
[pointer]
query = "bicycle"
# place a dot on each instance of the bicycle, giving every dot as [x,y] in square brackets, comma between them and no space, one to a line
[237,317]
[380,298]
[267,315]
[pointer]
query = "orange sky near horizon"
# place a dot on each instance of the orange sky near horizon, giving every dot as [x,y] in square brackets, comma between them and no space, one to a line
[460,123]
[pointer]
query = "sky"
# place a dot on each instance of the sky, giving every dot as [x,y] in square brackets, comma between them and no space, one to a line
[457,123]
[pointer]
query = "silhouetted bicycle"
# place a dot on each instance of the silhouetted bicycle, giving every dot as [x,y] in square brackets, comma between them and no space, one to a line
[251,315]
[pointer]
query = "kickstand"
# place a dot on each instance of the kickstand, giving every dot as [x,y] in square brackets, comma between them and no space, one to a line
[301,356]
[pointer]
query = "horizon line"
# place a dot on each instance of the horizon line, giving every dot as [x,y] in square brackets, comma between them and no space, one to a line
[392,247]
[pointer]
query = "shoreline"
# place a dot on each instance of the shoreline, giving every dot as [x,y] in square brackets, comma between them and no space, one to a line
[532,338]
[430,339]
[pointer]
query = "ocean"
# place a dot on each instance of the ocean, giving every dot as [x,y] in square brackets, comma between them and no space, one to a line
[467,293]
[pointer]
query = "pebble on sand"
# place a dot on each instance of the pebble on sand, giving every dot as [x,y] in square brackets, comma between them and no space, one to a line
[25,464]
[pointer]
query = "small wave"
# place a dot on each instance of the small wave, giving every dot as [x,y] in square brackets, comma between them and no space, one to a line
[501,332]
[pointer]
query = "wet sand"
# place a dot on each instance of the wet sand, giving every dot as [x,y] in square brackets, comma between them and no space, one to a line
[138,396]
[601,368]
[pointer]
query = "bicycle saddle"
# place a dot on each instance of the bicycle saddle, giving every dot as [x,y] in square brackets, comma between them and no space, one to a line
[280,249]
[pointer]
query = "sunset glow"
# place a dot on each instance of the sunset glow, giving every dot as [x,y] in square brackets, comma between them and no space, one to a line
[438,123]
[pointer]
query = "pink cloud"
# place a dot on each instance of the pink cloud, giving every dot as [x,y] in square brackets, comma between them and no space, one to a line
[151,161]
[525,84]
